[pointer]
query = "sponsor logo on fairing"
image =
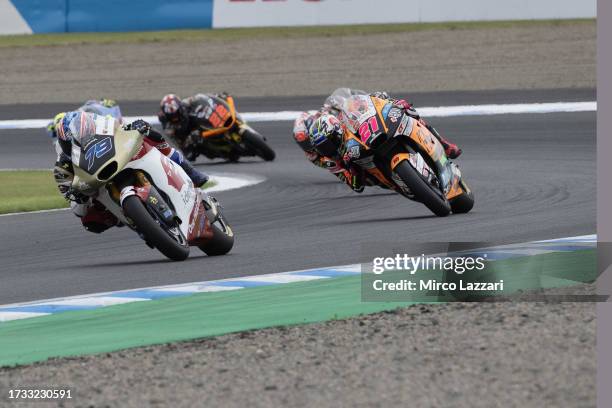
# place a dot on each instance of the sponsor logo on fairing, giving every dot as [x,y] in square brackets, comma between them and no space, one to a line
[174,179]
[403,129]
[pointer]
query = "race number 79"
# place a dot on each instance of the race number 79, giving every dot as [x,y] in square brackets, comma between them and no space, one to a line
[98,150]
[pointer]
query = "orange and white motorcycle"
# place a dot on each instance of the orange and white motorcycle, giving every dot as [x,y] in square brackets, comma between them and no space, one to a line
[148,192]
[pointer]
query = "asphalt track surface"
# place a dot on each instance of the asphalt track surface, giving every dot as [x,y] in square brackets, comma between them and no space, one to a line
[533,176]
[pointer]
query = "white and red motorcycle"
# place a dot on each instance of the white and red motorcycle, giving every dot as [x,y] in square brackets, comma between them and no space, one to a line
[149,193]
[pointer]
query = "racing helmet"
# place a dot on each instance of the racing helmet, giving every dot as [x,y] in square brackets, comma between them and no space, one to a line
[301,131]
[326,135]
[77,127]
[52,126]
[173,110]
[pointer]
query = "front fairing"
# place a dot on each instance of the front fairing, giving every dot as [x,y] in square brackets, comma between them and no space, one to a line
[104,155]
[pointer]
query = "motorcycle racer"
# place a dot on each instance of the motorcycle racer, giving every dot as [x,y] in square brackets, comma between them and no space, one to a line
[301,132]
[76,128]
[326,135]
[179,118]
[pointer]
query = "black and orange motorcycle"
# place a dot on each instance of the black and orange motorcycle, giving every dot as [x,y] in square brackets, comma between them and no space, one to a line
[225,134]
[403,155]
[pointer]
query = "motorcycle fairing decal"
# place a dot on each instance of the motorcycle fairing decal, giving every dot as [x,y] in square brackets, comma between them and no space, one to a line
[427,142]
[219,116]
[105,125]
[174,179]
[458,186]
[405,127]
[144,149]
[199,226]
[417,161]
[151,198]
[143,192]
[369,130]
[380,105]
[398,158]
[393,114]
[225,121]
[98,151]
[182,201]
[455,189]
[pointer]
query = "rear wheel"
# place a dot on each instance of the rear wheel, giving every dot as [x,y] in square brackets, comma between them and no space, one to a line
[222,240]
[170,243]
[462,203]
[421,190]
[257,143]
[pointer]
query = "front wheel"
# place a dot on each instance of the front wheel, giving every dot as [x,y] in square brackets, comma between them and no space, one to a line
[172,246]
[422,191]
[256,142]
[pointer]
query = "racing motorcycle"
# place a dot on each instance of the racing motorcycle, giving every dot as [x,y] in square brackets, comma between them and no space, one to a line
[403,155]
[225,135]
[148,192]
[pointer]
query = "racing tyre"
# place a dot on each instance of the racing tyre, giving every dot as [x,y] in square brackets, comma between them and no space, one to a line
[256,142]
[463,203]
[152,231]
[421,190]
[222,240]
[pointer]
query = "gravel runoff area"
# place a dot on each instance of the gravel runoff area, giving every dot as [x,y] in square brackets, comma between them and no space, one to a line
[526,56]
[444,355]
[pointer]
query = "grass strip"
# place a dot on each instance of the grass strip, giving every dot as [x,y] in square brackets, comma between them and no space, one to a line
[174,319]
[212,314]
[34,190]
[29,190]
[237,34]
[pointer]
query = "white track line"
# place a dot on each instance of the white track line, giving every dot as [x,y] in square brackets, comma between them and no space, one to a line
[432,112]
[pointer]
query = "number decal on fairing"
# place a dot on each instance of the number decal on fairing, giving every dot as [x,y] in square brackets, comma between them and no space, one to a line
[98,150]
[368,128]
[219,116]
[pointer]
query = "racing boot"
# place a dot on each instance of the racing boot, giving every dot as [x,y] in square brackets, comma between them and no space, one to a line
[452,150]
[198,178]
